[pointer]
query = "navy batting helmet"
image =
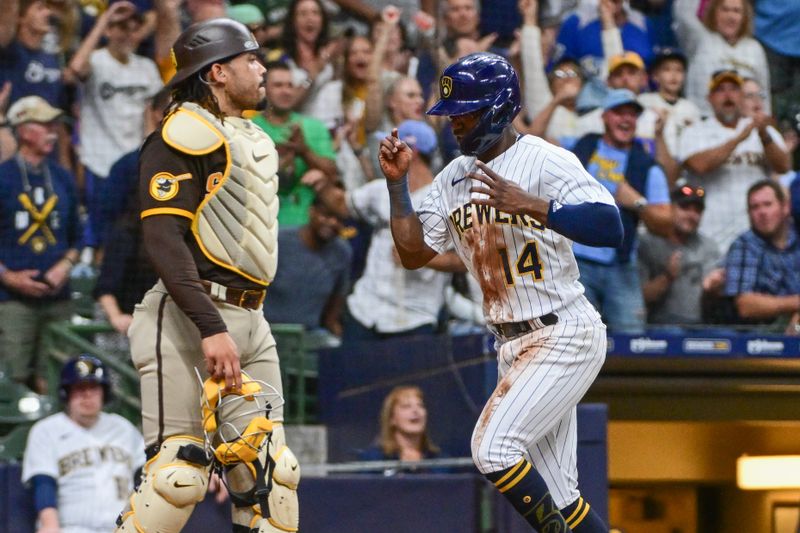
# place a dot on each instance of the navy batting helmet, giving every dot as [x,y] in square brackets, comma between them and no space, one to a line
[480,81]
[84,369]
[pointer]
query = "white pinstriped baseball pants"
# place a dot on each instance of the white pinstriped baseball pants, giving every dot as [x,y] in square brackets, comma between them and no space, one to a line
[532,412]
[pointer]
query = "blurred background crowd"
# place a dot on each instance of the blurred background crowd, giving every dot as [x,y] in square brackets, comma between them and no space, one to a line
[686,110]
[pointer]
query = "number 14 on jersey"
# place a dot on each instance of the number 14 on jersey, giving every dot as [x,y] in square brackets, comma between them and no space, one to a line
[528,263]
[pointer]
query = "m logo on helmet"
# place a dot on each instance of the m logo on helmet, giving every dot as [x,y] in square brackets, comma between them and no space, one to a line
[447,86]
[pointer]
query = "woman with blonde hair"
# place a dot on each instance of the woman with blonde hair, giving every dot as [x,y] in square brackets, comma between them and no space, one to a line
[722,41]
[404,428]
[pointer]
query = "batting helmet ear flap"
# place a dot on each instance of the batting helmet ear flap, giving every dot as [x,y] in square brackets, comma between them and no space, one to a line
[505,115]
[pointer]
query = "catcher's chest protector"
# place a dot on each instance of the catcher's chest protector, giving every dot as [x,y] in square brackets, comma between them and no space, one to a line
[236,225]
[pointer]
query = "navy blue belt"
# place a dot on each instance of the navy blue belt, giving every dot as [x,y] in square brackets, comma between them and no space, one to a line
[510,330]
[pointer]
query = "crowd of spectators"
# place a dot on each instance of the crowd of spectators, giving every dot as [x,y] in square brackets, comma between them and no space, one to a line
[687,111]
[677,106]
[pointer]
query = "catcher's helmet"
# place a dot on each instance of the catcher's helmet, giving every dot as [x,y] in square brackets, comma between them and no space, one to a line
[480,81]
[84,368]
[208,42]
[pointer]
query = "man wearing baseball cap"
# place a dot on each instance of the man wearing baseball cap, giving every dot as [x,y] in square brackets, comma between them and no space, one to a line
[676,269]
[623,166]
[625,71]
[728,152]
[39,239]
[80,463]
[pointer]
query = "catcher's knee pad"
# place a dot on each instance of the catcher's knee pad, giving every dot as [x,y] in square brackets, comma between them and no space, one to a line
[173,482]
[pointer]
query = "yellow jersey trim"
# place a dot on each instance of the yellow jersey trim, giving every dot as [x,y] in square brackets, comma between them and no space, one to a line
[167,211]
[209,196]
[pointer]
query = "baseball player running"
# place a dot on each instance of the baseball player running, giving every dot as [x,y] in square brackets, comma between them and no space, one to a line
[208,187]
[81,463]
[511,206]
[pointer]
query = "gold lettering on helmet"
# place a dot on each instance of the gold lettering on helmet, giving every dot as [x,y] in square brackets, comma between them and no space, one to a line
[174,59]
[447,86]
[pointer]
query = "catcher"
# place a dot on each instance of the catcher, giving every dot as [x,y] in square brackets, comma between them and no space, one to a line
[208,187]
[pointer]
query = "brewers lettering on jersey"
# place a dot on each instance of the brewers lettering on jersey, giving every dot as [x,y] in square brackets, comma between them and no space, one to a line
[81,463]
[511,206]
[94,467]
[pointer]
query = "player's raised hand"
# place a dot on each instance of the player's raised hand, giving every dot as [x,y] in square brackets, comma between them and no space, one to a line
[503,194]
[529,9]
[222,359]
[394,157]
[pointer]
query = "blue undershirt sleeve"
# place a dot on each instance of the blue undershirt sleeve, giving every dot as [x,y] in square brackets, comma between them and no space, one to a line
[592,224]
[45,492]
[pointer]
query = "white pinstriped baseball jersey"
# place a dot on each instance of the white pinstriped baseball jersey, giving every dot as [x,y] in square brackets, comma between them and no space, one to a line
[525,270]
[93,467]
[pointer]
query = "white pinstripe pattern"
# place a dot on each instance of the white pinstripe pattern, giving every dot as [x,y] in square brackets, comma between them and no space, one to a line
[545,373]
[542,169]
[541,378]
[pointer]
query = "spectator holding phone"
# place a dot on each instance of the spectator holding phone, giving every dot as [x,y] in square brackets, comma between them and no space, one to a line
[39,232]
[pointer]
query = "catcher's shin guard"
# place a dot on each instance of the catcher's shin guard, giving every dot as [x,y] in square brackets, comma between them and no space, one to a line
[173,482]
[280,478]
[261,472]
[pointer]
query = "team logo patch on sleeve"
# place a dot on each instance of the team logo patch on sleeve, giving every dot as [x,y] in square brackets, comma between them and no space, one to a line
[164,186]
